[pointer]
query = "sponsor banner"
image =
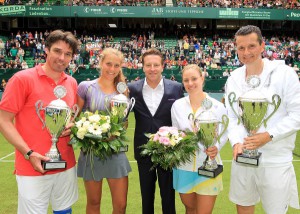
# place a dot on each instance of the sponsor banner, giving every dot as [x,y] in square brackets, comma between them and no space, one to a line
[249,13]
[12,10]
[34,11]
[149,12]
[143,12]
[48,11]
[292,15]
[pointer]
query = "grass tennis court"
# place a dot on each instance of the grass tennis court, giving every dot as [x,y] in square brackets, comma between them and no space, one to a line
[8,187]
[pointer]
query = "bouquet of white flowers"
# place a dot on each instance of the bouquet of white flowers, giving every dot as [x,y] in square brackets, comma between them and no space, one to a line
[99,134]
[170,147]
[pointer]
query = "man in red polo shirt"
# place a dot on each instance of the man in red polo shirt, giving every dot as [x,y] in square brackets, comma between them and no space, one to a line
[21,126]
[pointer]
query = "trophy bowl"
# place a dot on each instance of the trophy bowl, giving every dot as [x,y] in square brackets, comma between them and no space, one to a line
[209,133]
[56,116]
[252,111]
[121,105]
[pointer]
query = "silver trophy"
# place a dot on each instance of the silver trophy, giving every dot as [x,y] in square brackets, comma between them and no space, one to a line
[57,116]
[209,133]
[120,105]
[252,109]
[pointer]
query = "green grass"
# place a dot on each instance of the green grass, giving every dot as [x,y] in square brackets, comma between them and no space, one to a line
[9,194]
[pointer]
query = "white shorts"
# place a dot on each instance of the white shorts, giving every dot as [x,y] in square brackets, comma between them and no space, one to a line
[276,187]
[35,192]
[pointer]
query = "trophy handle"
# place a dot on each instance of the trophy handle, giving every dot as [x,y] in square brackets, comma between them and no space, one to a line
[38,108]
[72,114]
[132,101]
[232,99]
[276,106]
[75,111]
[106,102]
[225,122]
[191,118]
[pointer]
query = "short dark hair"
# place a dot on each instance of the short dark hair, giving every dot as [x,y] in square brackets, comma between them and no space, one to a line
[153,51]
[59,35]
[248,29]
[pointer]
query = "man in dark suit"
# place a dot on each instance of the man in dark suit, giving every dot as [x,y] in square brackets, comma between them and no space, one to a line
[154,97]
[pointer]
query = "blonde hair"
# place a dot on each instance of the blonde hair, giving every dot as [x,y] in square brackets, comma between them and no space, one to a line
[108,51]
[194,67]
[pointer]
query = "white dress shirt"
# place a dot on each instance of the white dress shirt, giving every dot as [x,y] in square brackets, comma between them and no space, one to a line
[152,96]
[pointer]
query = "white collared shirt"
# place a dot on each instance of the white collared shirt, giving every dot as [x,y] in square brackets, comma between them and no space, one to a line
[152,96]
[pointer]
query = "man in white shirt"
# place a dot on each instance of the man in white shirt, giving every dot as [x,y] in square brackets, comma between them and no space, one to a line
[274,180]
[154,97]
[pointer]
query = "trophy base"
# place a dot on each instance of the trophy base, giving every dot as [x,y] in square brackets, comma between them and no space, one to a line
[254,161]
[209,173]
[52,165]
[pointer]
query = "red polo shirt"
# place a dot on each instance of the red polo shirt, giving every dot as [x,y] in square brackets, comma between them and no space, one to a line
[23,90]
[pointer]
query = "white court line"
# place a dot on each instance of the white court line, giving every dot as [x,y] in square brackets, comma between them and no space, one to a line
[7,156]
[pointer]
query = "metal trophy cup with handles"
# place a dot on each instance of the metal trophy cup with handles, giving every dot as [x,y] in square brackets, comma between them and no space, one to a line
[252,109]
[57,116]
[208,127]
[121,106]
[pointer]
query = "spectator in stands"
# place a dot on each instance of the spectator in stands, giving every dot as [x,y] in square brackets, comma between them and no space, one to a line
[20,54]
[91,97]
[229,62]
[154,97]
[186,47]
[7,47]
[276,185]
[296,68]
[24,65]
[18,36]
[226,73]
[213,65]
[3,84]
[2,59]
[197,192]
[2,47]
[39,48]
[205,73]
[32,46]
[21,126]
[13,52]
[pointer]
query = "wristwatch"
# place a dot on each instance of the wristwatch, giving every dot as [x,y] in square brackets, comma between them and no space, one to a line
[27,155]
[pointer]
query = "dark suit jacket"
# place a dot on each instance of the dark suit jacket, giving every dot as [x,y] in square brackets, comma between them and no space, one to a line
[145,122]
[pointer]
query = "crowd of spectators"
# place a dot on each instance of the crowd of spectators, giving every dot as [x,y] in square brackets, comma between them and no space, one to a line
[266,4]
[152,3]
[21,47]
[215,52]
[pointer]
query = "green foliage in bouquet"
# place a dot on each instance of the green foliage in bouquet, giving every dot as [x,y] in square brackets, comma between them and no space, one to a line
[169,148]
[99,134]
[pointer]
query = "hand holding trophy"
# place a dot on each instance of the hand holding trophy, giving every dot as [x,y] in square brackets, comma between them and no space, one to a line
[57,116]
[208,131]
[252,109]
